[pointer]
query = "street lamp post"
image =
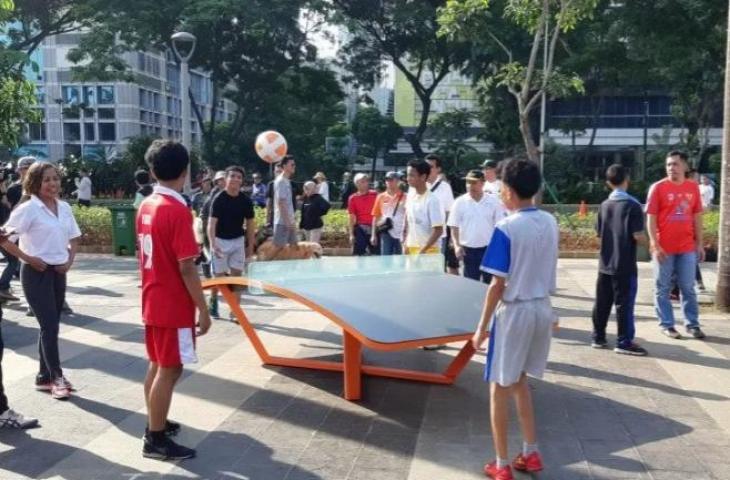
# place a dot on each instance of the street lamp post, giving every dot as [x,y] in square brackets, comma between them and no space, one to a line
[183,44]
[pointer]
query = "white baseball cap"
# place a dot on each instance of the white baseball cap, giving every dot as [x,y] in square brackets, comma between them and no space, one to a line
[359,176]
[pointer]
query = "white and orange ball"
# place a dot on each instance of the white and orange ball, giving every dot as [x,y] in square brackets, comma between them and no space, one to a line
[271,146]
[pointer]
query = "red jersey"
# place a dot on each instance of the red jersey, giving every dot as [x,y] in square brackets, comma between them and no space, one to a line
[165,237]
[362,207]
[675,207]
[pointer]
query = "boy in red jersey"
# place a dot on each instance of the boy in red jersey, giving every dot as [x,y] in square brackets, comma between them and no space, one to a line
[171,293]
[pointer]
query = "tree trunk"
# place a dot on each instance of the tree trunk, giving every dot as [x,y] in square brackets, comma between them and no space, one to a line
[722,299]
[533,153]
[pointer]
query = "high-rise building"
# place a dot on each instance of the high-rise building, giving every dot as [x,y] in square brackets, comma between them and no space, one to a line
[95,120]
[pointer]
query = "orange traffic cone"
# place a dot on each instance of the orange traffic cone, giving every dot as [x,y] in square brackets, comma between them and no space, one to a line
[583,209]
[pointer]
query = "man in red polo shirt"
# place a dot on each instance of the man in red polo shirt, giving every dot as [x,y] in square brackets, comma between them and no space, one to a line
[171,293]
[674,211]
[360,207]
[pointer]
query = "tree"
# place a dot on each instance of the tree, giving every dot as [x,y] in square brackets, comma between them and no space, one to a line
[722,299]
[497,113]
[482,22]
[403,32]
[375,132]
[450,130]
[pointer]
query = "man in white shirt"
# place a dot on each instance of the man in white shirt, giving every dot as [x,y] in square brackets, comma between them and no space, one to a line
[707,191]
[440,187]
[83,189]
[424,214]
[492,184]
[473,219]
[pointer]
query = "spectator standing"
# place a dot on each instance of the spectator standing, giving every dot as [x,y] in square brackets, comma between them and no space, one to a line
[171,294]
[83,188]
[14,194]
[674,211]
[285,230]
[219,182]
[620,226]
[270,196]
[492,184]
[438,185]
[314,207]
[348,188]
[48,235]
[518,317]
[144,186]
[707,191]
[390,210]
[206,186]
[473,218]
[259,191]
[323,188]
[424,214]
[9,418]
[360,207]
[231,227]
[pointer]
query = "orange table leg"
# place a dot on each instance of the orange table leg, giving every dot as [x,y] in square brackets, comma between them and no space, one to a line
[353,366]
[460,361]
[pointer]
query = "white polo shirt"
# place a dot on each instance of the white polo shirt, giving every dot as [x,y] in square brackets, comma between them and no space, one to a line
[445,195]
[43,234]
[493,188]
[84,188]
[476,220]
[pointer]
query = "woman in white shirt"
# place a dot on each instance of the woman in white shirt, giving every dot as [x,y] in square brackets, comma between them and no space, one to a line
[323,188]
[48,236]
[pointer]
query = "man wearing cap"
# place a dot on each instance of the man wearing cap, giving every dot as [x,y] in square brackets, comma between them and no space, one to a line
[389,214]
[439,186]
[13,195]
[360,207]
[492,184]
[473,218]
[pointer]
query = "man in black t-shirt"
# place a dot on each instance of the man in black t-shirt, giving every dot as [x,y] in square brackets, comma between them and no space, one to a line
[230,211]
[620,226]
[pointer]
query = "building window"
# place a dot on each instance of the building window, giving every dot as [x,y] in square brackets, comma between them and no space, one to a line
[37,132]
[89,132]
[40,94]
[71,132]
[105,94]
[106,113]
[89,113]
[107,132]
[90,95]
[70,94]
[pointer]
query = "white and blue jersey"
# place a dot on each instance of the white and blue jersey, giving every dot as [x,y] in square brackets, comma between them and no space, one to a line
[524,251]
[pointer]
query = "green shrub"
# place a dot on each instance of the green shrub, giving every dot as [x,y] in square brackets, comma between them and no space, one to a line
[95,224]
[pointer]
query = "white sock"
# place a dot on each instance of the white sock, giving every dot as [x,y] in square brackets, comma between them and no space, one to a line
[528,448]
[502,462]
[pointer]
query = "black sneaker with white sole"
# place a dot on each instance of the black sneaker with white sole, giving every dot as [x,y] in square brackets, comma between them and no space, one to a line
[165,449]
[696,332]
[599,343]
[631,349]
[671,332]
[171,428]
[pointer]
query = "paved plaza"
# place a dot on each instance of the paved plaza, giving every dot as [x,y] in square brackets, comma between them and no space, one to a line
[601,415]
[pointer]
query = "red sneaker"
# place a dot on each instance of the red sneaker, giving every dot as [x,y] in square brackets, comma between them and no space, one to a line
[530,463]
[504,473]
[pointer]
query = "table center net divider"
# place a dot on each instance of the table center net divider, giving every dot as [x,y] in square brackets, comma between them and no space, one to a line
[387,303]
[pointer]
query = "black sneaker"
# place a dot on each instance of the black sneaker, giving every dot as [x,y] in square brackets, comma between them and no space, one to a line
[165,449]
[631,349]
[696,332]
[671,332]
[171,428]
[599,343]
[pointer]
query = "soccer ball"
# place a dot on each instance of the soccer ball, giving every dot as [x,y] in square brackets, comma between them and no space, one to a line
[271,146]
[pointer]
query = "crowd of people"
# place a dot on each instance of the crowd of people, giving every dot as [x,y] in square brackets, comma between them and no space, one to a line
[493,233]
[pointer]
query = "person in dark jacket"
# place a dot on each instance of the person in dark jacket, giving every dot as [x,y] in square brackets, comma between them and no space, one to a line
[314,207]
[347,189]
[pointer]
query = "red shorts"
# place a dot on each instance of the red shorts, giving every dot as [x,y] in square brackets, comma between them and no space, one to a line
[170,347]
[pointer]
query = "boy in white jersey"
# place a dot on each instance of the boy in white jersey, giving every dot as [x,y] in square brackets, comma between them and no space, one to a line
[518,317]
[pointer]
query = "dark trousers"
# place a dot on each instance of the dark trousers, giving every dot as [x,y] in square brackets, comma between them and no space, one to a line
[46,292]
[10,268]
[390,245]
[619,290]
[472,263]
[361,245]
[3,398]
[85,203]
